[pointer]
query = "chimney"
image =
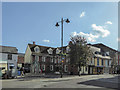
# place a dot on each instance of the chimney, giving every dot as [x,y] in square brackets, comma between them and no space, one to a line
[34,42]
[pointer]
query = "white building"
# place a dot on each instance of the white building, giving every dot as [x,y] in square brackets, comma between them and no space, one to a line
[8,57]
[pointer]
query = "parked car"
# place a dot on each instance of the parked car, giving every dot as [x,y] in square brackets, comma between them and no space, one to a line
[8,73]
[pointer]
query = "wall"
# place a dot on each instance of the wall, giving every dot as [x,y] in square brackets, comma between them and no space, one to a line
[13,61]
[83,70]
[27,58]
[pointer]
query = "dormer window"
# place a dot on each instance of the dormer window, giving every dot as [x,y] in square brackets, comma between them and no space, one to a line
[58,51]
[107,53]
[37,49]
[67,49]
[50,51]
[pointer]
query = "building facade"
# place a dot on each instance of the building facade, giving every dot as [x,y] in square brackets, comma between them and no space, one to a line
[107,51]
[99,62]
[20,62]
[41,59]
[8,57]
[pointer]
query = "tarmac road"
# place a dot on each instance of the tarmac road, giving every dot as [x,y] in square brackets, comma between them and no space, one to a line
[88,81]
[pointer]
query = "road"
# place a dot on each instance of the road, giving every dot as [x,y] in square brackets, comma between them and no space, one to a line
[88,81]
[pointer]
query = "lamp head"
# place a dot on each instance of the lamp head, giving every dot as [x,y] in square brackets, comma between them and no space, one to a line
[57,24]
[67,21]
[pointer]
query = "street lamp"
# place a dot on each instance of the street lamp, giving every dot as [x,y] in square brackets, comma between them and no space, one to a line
[57,24]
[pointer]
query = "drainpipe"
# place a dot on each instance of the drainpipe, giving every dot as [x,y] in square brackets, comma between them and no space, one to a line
[118,59]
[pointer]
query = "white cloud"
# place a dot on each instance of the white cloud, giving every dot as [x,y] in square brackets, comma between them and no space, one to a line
[46,41]
[108,22]
[100,30]
[90,37]
[82,14]
[118,39]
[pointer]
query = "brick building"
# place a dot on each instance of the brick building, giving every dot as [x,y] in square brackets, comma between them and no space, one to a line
[45,59]
[20,61]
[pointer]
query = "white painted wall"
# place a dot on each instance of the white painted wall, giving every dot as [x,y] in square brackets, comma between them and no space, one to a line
[13,61]
[27,58]
[85,72]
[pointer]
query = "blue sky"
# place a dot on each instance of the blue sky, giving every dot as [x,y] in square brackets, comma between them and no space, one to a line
[23,23]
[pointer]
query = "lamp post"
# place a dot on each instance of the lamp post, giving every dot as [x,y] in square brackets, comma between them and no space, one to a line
[67,21]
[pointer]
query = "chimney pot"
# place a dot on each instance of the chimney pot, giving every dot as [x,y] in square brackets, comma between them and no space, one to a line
[33,42]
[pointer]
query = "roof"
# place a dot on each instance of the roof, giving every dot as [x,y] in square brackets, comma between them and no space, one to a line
[100,44]
[42,48]
[45,48]
[21,54]
[8,49]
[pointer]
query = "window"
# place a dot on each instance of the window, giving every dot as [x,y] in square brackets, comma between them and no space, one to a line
[43,59]
[67,60]
[67,49]
[55,61]
[51,59]
[51,67]
[86,69]
[9,56]
[102,61]
[43,67]
[91,60]
[37,49]
[40,58]
[36,58]
[98,61]
[108,62]
[50,51]
[66,68]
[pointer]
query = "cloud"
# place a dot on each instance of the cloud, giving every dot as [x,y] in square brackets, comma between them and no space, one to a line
[82,14]
[46,41]
[90,37]
[100,30]
[108,22]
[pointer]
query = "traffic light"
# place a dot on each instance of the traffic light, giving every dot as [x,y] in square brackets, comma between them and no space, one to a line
[62,61]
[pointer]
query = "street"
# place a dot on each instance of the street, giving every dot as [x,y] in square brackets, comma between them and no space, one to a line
[86,81]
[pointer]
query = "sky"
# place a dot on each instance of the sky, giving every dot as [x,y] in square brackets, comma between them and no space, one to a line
[25,22]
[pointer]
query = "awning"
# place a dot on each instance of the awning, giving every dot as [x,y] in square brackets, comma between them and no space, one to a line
[99,66]
[11,65]
[3,61]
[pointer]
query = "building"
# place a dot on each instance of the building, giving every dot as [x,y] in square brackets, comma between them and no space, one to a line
[20,62]
[48,60]
[99,62]
[44,59]
[8,57]
[105,50]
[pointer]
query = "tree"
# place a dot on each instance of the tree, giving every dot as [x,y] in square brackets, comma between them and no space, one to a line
[79,51]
